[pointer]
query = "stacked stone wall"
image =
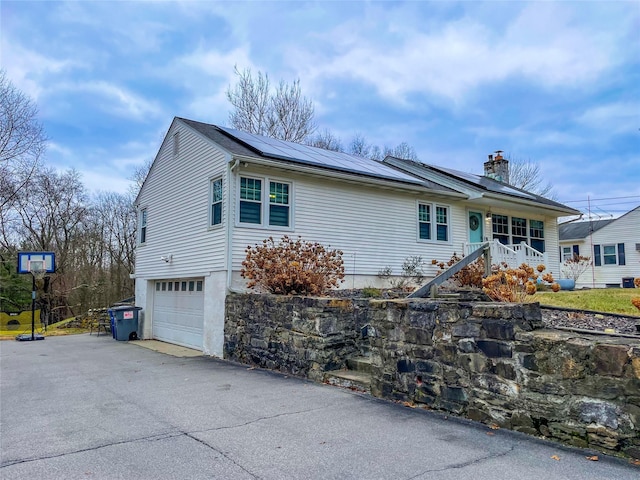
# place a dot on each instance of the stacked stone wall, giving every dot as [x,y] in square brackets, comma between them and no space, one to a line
[486,361]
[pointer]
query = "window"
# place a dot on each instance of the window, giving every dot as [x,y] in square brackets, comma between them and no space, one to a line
[255,205]
[191,285]
[278,204]
[176,286]
[500,228]
[143,225]
[199,286]
[170,286]
[424,221]
[250,200]
[157,286]
[609,254]
[427,228]
[164,286]
[536,232]
[519,230]
[442,226]
[184,286]
[567,254]
[216,202]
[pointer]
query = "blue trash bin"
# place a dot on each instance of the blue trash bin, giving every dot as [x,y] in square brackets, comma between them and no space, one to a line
[124,322]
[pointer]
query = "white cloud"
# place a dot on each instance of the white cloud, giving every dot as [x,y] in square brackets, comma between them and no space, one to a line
[613,118]
[544,43]
[115,100]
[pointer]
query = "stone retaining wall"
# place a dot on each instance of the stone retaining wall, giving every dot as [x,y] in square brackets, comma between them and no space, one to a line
[489,362]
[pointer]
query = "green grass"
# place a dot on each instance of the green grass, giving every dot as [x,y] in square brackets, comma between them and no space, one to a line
[610,300]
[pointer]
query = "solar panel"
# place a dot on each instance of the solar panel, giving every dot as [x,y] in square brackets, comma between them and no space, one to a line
[279,149]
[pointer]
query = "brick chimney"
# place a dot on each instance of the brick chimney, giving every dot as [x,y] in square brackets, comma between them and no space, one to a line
[497,167]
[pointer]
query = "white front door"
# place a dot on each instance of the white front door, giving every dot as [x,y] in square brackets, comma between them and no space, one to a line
[178,311]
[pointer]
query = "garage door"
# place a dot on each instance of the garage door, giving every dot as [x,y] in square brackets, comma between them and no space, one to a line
[178,311]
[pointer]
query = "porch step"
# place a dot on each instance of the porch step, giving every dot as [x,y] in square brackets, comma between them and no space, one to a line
[359,364]
[353,380]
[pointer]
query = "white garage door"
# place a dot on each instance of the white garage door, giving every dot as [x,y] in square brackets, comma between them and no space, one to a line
[178,311]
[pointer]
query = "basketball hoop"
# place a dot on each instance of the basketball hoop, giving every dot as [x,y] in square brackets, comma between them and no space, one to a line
[37,268]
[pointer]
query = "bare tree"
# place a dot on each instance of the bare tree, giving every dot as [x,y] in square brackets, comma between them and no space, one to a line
[359,146]
[51,210]
[139,175]
[282,113]
[402,150]
[525,174]
[22,140]
[326,140]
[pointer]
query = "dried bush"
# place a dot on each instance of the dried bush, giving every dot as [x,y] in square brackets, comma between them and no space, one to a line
[575,266]
[469,276]
[515,284]
[636,302]
[292,267]
[636,282]
[412,273]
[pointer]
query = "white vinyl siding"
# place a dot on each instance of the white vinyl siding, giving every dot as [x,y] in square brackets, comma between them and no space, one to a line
[177,192]
[374,227]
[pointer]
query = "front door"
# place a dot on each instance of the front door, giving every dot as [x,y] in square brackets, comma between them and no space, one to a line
[475,227]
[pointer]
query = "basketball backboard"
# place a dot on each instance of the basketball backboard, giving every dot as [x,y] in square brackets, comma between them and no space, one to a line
[36,261]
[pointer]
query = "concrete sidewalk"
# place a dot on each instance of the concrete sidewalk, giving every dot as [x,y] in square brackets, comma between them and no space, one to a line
[79,407]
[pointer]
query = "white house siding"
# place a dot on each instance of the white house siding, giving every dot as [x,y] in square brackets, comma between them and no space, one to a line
[377,225]
[176,196]
[625,229]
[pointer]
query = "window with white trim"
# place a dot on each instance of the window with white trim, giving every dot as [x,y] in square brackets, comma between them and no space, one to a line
[250,200]
[258,203]
[279,204]
[216,202]
[567,254]
[519,230]
[142,234]
[536,234]
[513,231]
[609,255]
[500,228]
[433,222]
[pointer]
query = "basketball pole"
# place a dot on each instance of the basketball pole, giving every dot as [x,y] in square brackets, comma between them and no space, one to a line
[33,306]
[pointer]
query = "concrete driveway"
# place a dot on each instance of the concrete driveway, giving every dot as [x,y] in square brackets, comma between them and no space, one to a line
[87,407]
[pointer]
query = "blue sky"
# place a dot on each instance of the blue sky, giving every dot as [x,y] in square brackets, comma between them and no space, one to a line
[554,82]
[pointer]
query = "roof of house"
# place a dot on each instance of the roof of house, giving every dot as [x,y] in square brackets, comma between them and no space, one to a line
[250,145]
[577,230]
[478,182]
[435,178]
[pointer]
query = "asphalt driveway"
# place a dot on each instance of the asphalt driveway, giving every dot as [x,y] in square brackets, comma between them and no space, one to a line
[87,407]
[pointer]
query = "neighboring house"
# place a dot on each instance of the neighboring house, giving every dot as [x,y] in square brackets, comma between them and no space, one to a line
[212,192]
[613,246]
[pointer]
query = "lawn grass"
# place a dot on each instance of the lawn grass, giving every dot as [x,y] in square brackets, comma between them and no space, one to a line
[53,330]
[610,300]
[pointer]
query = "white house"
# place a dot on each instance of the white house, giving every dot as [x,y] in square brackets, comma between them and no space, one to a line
[213,191]
[613,246]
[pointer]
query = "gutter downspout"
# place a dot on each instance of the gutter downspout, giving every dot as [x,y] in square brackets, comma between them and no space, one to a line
[231,221]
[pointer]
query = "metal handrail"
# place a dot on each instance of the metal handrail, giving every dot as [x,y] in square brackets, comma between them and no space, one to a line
[432,286]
